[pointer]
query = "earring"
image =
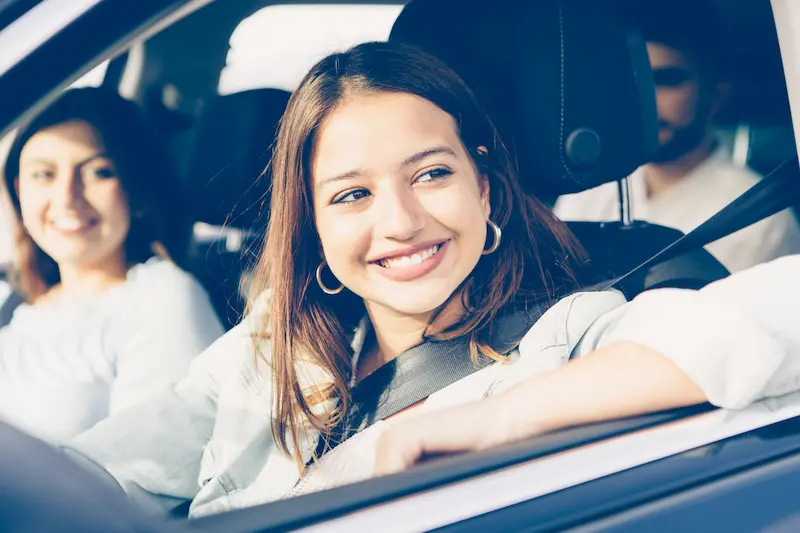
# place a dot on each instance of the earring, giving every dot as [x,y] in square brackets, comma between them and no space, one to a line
[498,234]
[322,286]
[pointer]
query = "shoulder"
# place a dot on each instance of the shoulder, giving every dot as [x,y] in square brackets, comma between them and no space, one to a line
[158,296]
[728,179]
[587,205]
[764,241]
[162,287]
[755,282]
[565,323]
[233,360]
[159,274]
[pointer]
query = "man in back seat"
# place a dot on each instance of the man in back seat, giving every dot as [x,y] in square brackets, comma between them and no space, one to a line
[692,177]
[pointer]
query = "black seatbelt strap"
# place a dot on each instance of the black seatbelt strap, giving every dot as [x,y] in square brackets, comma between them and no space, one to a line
[778,190]
[8,307]
[421,371]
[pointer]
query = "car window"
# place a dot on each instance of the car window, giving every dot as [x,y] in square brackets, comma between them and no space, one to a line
[277,45]
[93,78]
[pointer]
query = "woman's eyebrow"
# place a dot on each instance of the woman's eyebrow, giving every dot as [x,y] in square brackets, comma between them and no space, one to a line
[419,156]
[341,177]
[45,161]
[35,161]
[101,155]
[411,160]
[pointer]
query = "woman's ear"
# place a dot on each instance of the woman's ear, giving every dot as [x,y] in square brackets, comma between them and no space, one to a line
[483,181]
[484,184]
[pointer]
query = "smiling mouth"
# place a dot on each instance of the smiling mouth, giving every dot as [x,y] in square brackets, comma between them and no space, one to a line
[72,225]
[414,259]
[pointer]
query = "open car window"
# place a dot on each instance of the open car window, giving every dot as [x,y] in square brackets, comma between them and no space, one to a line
[262,54]
[276,46]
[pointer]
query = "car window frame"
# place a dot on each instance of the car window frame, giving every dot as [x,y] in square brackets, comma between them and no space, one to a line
[101,32]
[11,10]
[787,24]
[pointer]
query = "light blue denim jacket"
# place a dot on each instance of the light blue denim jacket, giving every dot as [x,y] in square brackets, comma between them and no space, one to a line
[209,437]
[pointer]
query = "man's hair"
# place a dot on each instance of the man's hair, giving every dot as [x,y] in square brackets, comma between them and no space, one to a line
[693,27]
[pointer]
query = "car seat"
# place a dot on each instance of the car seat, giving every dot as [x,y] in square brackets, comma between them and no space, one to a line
[569,85]
[228,189]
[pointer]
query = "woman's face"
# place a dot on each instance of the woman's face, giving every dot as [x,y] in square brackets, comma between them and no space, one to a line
[400,208]
[73,205]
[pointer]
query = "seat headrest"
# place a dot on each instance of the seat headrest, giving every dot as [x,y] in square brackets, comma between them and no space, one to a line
[567,83]
[231,149]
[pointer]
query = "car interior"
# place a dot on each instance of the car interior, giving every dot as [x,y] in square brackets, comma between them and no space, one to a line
[603,128]
[567,82]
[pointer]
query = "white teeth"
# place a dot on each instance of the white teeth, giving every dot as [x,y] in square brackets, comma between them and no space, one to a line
[69,224]
[410,260]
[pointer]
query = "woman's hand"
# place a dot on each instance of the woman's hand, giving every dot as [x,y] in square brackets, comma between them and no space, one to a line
[617,381]
[471,427]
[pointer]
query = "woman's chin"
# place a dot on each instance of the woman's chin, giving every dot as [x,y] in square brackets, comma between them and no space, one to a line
[78,257]
[413,303]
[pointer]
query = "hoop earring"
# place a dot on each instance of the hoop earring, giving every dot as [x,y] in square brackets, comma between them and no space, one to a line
[498,234]
[322,286]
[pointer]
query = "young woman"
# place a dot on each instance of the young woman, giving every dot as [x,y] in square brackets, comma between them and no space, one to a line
[396,217]
[109,317]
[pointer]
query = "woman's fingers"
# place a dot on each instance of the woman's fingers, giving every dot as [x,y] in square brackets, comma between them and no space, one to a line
[467,428]
[398,449]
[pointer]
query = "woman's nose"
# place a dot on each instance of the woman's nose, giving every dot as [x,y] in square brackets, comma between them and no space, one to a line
[68,190]
[400,214]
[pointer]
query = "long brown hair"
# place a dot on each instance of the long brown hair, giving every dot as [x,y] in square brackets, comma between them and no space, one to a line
[147,174]
[534,261]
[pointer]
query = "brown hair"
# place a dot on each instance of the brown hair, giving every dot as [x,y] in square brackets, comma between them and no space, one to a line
[145,170]
[533,261]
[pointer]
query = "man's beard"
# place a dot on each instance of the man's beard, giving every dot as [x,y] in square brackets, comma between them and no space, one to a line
[683,141]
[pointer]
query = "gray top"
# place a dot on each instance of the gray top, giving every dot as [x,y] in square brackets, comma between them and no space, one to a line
[67,364]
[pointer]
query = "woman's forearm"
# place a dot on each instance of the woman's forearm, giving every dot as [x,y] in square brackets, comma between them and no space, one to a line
[623,379]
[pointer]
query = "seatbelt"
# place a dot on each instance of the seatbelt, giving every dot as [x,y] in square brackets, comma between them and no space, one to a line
[423,370]
[433,365]
[778,190]
[12,301]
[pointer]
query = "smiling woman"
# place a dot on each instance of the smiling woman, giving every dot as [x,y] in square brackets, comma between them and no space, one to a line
[79,217]
[402,195]
[109,317]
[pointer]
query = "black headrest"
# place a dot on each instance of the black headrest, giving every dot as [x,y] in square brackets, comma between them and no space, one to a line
[567,82]
[232,147]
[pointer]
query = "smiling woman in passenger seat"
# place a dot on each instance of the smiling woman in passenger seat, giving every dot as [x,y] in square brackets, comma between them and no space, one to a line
[396,217]
[109,317]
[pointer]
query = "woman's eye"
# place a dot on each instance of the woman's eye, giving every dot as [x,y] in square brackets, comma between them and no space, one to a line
[349,197]
[42,175]
[434,175]
[103,173]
